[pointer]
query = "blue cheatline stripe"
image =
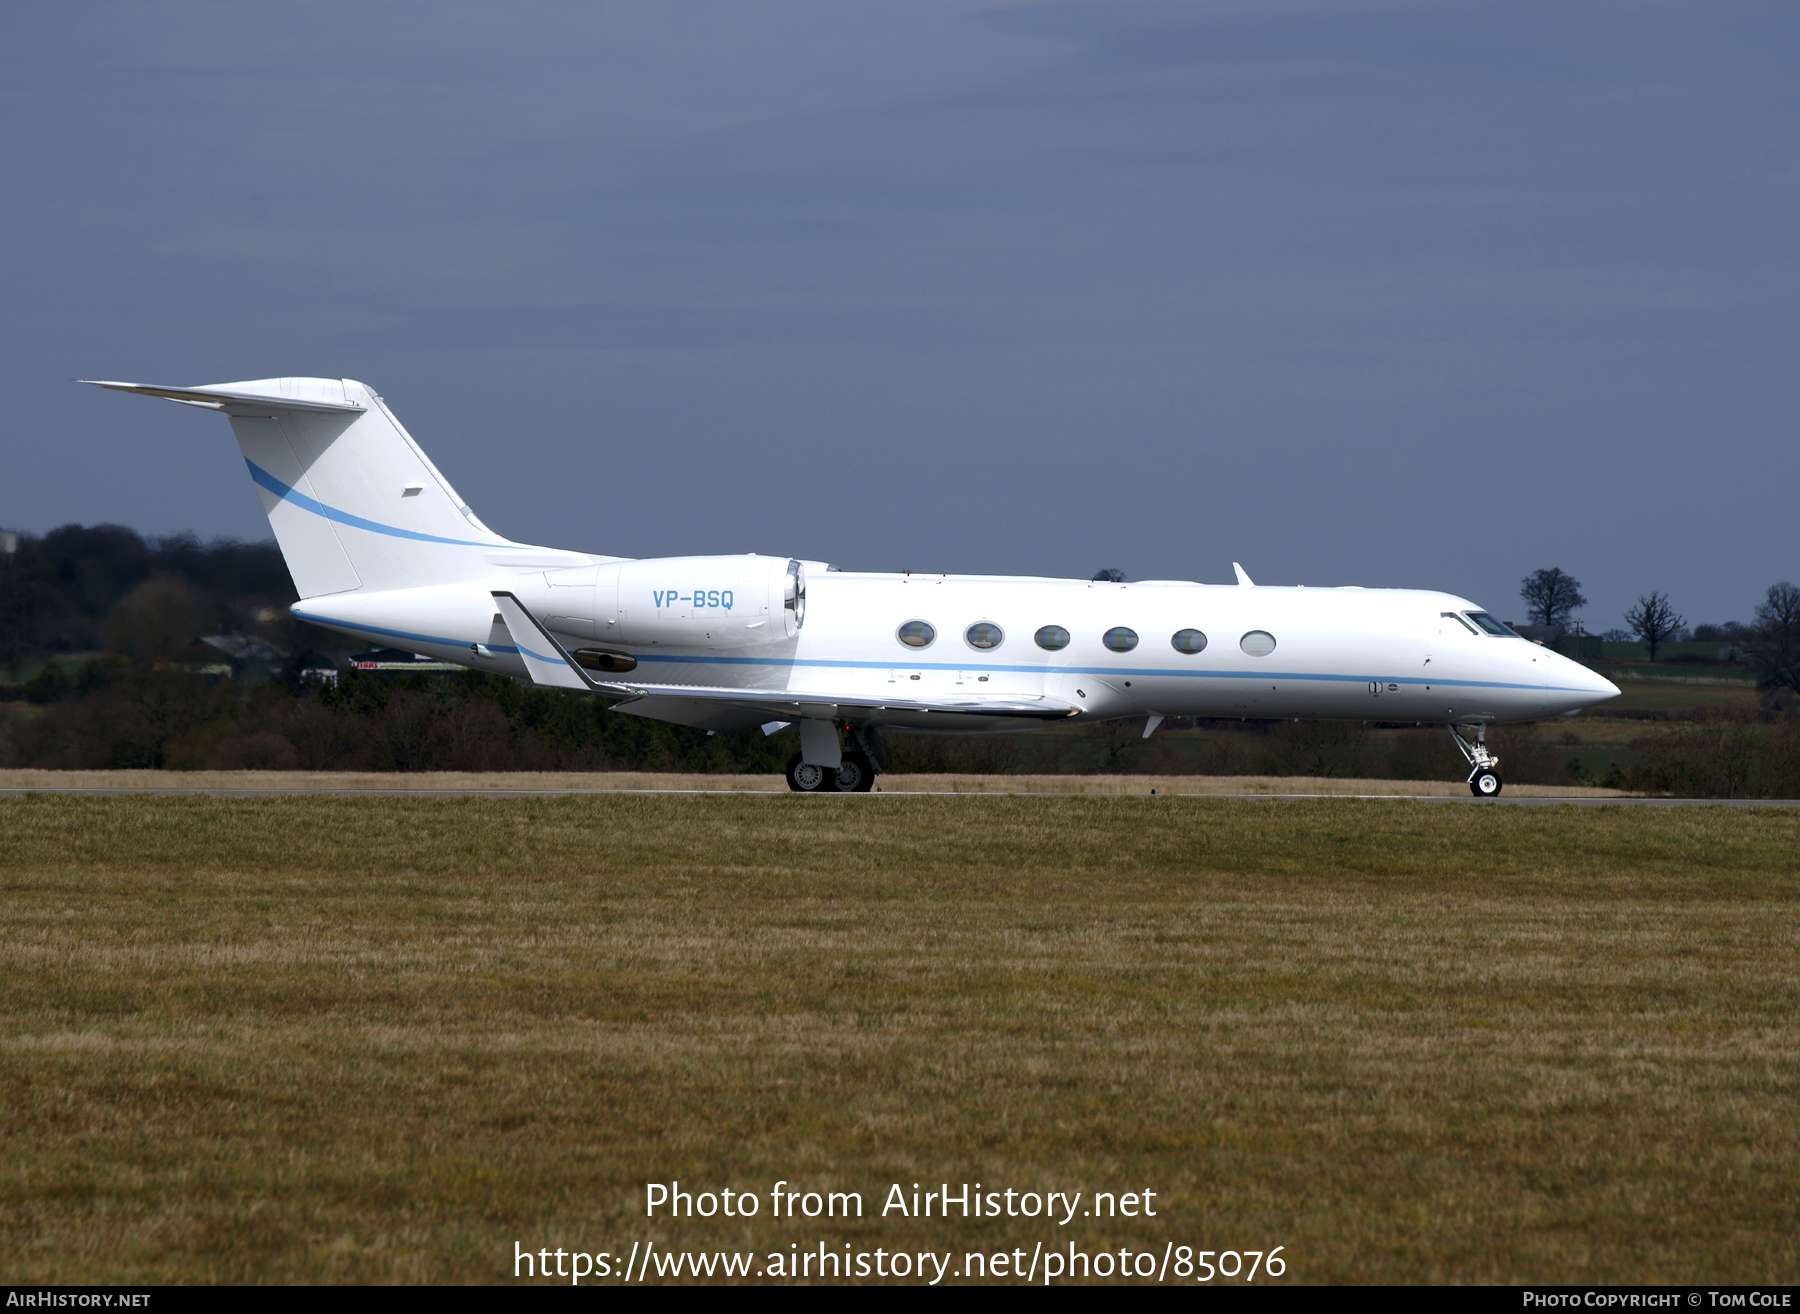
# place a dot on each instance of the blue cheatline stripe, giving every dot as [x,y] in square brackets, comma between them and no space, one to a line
[1146,672]
[821,664]
[294,496]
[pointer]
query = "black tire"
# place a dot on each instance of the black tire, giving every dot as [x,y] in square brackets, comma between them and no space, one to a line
[1485,783]
[804,779]
[855,776]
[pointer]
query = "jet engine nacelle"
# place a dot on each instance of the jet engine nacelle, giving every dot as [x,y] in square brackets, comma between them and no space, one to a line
[673,602]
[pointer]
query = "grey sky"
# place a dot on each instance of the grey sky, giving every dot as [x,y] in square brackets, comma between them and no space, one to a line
[1353,293]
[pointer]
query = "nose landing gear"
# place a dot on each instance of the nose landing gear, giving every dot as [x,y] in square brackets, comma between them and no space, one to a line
[1484,767]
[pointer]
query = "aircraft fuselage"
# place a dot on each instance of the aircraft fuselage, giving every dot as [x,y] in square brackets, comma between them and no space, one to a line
[1337,653]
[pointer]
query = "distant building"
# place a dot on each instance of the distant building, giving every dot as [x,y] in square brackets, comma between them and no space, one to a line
[1544,634]
[1570,643]
[396,660]
[251,658]
[1581,647]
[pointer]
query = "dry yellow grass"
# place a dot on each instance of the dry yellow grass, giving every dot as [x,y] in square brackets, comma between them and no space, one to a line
[527,781]
[329,1038]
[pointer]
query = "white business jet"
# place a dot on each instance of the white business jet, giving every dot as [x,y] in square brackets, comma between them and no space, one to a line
[383,549]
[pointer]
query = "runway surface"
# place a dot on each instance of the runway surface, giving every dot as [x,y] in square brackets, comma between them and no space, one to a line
[1523,801]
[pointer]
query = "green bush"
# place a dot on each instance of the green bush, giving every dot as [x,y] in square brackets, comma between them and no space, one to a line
[138,716]
[1720,757]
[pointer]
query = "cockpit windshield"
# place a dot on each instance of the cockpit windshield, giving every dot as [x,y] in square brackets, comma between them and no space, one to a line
[1489,624]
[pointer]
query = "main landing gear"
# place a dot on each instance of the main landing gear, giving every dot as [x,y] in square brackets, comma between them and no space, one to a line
[855,775]
[856,767]
[1484,767]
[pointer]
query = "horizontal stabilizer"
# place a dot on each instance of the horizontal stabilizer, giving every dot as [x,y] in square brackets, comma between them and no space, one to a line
[225,399]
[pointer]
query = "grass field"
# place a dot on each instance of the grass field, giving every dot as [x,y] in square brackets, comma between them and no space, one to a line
[1678,697]
[322,1038]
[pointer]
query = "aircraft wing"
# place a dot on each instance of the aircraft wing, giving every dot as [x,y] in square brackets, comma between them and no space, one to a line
[716,707]
[827,706]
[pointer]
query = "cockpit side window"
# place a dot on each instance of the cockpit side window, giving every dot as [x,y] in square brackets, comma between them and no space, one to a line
[1459,620]
[1491,625]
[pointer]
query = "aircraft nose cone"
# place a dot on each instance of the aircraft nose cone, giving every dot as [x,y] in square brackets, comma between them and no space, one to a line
[1573,687]
[1598,689]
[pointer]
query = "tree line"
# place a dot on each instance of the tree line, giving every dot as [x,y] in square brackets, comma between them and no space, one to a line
[1771,644]
[112,713]
[86,588]
[141,702]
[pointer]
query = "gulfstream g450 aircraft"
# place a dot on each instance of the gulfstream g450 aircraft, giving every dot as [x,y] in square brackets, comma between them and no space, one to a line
[382,548]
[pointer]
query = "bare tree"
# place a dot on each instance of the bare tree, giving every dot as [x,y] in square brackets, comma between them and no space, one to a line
[1654,621]
[1551,596]
[1109,576]
[1775,646]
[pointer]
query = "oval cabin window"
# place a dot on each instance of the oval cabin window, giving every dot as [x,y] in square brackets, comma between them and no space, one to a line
[1188,641]
[983,636]
[1121,639]
[1051,638]
[1258,643]
[916,634]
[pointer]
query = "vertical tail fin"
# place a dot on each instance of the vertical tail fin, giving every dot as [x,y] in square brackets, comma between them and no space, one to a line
[354,502]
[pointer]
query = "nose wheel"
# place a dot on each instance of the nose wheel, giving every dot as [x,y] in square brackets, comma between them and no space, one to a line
[1484,767]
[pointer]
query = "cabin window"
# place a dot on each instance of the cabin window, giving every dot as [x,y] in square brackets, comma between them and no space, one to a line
[1188,641]
[1258,643]
[1488,623]
[1051,638]
[1120,639]
[916,634]
[984,636]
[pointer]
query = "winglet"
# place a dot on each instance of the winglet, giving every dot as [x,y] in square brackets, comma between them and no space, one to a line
[1244,580]
[547,661]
